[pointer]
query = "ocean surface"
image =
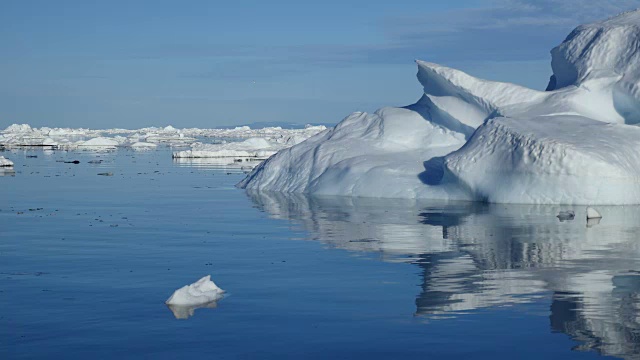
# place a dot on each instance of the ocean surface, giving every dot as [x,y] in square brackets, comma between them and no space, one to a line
[87,262]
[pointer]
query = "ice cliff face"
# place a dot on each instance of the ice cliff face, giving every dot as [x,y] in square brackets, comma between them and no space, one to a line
[571,144]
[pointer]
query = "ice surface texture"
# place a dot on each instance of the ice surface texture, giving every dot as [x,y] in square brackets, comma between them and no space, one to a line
[473,139]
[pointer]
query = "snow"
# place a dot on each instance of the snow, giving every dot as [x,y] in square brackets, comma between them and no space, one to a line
[473,139]
[201,292]
[5,163]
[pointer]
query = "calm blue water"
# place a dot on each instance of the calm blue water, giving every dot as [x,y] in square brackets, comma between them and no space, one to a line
[87,261]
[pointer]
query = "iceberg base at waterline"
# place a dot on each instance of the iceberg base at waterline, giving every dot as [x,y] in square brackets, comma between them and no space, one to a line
[183,312]
[204,293]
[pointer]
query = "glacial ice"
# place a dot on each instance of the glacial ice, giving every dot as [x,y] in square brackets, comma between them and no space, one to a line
[201,292]
[479,140]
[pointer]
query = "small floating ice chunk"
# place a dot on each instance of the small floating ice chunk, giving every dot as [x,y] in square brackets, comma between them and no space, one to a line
[566,215]
[593,213]
[4,162]
[201,292]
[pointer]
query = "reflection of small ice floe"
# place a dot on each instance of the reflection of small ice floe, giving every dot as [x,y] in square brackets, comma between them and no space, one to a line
[201,294]
[566,215]
[6,167]
[184,311]
[7,171]
[593,217]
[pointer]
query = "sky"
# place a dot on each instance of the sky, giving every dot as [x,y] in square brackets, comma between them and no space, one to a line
[197,63]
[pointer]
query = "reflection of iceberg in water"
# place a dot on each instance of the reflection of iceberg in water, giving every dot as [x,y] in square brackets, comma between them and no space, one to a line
[605,319]
[7,172]
[483,255]
[186,311]
[219,163]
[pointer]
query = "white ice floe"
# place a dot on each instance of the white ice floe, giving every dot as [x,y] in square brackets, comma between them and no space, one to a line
[100,142]
[473,139]
[5,163]
[201,292]
[260,143]
[249,152]
[250,148]
[593,213]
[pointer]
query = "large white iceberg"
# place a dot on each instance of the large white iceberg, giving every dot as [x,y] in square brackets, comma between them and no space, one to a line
[473,139]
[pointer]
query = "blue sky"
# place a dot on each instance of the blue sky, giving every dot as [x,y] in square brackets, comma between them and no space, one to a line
[102,64]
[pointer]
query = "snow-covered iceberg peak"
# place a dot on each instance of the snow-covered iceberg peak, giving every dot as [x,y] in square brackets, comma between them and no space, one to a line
[462,102]
[605,49]
[201,292]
